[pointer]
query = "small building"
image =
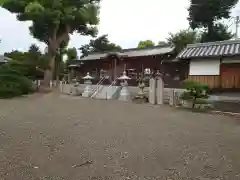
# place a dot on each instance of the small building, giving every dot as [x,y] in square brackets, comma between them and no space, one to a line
[134,62]
[216,63]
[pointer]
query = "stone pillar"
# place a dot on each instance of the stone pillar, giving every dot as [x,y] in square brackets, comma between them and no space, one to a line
[152,91]
[160,90]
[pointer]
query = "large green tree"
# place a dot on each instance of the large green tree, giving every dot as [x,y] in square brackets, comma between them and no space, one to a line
[54,20]
[182,38]
[206,13]
[100,44]
[145,44]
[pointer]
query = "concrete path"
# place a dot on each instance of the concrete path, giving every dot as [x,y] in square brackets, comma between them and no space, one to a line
[60,138]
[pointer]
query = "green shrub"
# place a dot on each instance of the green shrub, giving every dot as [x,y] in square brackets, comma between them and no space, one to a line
[195,92]
[13,83]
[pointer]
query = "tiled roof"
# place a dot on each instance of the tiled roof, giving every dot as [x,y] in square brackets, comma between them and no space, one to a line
[132,52]
[212,49]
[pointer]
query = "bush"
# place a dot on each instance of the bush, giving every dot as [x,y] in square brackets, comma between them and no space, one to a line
[13,83]
[195,92]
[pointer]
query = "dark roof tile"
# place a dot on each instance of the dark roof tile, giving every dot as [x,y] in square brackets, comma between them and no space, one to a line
[221,48]
[132,52]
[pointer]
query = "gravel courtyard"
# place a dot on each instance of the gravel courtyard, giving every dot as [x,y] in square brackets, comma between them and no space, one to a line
[55,137]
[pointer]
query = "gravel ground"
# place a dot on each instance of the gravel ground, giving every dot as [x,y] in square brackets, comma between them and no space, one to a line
[227,106]
[55,137]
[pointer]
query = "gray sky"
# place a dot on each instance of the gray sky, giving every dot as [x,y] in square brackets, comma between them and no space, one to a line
[125,21]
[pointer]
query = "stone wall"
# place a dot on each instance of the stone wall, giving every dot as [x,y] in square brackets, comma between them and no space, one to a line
[66,88]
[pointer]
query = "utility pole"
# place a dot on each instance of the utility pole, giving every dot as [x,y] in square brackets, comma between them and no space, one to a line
[237,26]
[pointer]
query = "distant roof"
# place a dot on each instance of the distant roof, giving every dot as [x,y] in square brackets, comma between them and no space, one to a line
[4,59]
[136,52]
[211,49]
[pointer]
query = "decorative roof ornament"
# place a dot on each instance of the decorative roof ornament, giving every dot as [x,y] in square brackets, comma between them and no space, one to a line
[87,76]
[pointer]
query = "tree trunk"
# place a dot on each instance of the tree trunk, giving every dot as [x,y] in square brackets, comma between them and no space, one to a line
[210,31]
[48,75]
[53,44]
[57,74]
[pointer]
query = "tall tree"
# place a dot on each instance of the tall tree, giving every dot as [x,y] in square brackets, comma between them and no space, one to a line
[205,13]
[71,55]
[100,44]
[182,38]
[145,44]
[59,65]
[220,33]
[54,20]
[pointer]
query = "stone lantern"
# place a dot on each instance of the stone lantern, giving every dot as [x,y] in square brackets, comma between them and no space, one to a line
[88,81]
[147,73]
[124,94]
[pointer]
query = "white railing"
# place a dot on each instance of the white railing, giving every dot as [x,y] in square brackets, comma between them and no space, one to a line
[113,83]
[98,85]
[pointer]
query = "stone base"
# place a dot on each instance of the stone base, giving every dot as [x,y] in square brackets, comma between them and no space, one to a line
[140,99]
[125,95]
[43,89]
[87,91]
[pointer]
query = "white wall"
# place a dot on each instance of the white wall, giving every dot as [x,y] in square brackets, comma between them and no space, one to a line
[204,67]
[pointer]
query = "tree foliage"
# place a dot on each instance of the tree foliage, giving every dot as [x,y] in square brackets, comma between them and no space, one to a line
[13,82]
[100,44]
[54,20]
[145,44]
[206,13]
[30,64]
[220,33]
[71,55]
[2,2]
[182,38]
